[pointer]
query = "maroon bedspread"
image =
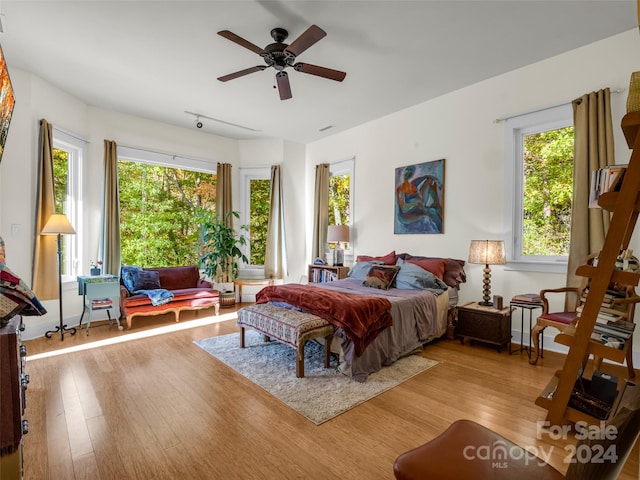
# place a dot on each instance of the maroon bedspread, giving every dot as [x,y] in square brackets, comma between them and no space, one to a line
[361,317]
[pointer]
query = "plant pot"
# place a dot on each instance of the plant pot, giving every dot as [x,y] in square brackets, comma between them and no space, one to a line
[94,272]
[227,299]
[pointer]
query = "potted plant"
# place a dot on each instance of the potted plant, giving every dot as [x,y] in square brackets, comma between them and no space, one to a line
[95,268]
[220,247]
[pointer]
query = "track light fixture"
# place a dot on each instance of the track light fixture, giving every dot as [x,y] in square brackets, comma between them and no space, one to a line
[200,115]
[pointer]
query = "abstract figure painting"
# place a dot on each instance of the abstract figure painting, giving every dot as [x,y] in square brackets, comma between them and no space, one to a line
[7,101]
[420,198]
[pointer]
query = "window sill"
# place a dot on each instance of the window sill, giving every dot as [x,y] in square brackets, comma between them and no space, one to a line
[543,267]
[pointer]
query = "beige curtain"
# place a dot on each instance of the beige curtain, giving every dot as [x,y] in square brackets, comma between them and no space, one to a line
[275,262]
[223,193]
[45,255]
[593,139]
[320,211]
[111,210]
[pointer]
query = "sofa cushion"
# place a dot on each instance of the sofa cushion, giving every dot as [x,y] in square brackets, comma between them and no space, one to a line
[179,295]
[145,280]
[175,278]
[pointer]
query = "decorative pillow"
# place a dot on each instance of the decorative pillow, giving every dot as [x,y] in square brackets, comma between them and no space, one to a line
[381,276]
[388,259]
[414,277]
[360,270]
[145,280]
[126,273]
[454,273]
[435,266]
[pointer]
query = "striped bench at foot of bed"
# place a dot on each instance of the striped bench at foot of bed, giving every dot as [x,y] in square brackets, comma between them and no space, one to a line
[290,327]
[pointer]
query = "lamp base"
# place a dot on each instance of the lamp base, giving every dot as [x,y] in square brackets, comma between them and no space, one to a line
[338,256]
[486,304]
[60,328]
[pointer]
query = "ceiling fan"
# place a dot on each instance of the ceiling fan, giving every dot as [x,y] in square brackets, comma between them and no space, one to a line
[279,55]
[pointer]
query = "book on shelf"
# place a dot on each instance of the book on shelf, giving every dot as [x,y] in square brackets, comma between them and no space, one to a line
[603,180]
[527,298]
[101,304]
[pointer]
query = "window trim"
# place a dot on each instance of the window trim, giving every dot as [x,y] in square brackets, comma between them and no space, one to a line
[514,129]
[74,244]
[338,168]
[246,175]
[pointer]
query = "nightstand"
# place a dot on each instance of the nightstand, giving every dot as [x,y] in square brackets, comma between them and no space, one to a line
[485,324]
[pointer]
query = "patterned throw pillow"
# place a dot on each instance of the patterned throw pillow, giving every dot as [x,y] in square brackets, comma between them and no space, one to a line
[381,276]
[145,280]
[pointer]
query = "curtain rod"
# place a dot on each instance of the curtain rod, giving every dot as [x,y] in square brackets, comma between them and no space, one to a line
[508,117]
[60,130]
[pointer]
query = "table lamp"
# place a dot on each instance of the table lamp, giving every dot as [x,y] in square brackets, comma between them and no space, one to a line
[337,234]
[487,252]
[58,224]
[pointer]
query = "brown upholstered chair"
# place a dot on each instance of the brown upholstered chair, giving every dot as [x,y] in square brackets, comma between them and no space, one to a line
[466,451]
[559,320]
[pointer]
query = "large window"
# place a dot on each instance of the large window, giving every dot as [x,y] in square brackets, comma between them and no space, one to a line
[162,199]
[540,160]
[69,154]
[256,188]
[340,194]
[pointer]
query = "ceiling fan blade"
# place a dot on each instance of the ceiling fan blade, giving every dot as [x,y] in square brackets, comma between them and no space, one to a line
[284,87]
[240,41]
[310,36]
[242,73]
[323,72]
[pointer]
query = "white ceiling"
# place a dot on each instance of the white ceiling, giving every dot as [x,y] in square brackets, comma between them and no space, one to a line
[158,59]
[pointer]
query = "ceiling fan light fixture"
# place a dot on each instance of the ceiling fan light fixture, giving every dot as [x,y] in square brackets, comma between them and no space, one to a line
[280,56]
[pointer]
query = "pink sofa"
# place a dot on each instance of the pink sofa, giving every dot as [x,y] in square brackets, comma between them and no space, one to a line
[190,293]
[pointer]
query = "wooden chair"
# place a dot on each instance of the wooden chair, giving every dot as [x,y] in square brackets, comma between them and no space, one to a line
[623,307]
[468,450]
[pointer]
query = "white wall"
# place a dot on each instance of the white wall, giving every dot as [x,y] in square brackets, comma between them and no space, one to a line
[35,99]
[460,128]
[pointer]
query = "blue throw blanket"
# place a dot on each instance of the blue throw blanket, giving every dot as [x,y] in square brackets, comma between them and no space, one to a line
[158,296]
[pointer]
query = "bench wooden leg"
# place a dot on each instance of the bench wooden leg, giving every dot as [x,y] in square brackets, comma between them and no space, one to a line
[327,350]
[241,337]
[300,362]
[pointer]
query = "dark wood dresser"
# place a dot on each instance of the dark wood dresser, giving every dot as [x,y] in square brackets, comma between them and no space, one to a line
[13,386]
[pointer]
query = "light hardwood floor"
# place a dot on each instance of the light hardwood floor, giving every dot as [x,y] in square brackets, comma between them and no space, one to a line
[158,407]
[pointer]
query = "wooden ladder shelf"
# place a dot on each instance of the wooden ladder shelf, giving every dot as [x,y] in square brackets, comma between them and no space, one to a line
[625,206]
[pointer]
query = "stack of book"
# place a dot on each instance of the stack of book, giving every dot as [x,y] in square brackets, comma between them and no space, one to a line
[101,304]
[603,180]
[614,332]
[527,298]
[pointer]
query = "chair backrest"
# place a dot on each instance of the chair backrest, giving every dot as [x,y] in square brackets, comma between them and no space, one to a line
[601,456]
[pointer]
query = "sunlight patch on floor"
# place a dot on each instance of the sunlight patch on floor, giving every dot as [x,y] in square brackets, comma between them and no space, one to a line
[199,322]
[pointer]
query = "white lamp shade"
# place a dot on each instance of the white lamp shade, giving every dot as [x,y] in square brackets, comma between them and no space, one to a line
[487,252]
[58,223]
[338,233]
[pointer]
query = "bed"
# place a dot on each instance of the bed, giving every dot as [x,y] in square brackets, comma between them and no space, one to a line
[387,307]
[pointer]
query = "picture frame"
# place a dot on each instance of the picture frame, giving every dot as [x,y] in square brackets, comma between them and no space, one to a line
[419,198]
[7,102]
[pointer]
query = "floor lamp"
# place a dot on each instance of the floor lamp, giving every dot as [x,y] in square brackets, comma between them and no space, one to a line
[58,224]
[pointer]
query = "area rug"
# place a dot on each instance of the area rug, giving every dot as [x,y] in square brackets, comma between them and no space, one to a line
[323,393]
